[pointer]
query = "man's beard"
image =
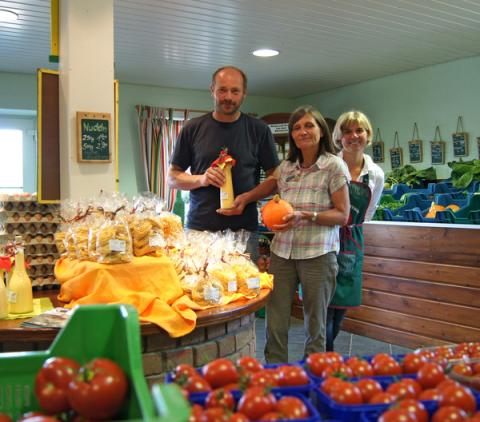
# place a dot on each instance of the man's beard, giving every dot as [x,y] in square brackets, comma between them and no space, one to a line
[220,107]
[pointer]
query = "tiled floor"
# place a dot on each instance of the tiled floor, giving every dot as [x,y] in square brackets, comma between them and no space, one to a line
[345,343]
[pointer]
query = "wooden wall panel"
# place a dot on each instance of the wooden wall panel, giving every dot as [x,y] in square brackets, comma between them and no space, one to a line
[421,284]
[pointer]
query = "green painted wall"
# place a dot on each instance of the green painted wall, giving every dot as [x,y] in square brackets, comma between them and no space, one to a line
[18,91]
[430,96]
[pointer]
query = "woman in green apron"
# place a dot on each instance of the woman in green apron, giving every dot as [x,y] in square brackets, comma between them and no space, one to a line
[352,134]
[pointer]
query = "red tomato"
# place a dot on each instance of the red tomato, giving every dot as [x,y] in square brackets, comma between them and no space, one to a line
[412,362]
[415,408]
[264,378]
[272,416]
[449,414]
[43,418]
[474,348]
[361,368]
[476,368]
[292,375]
[380,357]
[430,394]
[197,384]
[238,417]
[5,418]
[402,390]
[317,362]
[328,384]
[255,402]
[30,415]
[347,393]
[214,414]
[334,357]
[291,408]
[338,369]
[182,372]
[446,383]
[220,398]
[474,418]
[51,383]
[414,384]
[396,415]
[99,390]
[459,396]
[249,364]
[387,367]
[369,387]
[220,372]
[430,375]
[462,369]
[383,397]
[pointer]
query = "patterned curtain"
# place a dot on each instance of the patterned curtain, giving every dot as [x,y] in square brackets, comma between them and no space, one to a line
[157,134]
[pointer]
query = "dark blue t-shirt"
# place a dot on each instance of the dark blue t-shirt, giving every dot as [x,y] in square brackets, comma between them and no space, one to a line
[249,142]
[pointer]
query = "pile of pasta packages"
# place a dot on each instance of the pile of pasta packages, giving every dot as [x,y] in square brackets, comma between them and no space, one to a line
[112,229]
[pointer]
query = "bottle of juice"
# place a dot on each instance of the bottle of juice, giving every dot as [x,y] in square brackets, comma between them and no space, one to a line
[20,296]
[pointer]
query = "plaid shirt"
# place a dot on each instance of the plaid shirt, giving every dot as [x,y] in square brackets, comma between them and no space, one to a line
[309,190]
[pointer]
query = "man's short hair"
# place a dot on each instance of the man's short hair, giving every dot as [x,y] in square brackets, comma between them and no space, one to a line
[244,77]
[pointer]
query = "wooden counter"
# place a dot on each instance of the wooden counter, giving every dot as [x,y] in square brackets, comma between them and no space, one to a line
[223,331]
[421,284]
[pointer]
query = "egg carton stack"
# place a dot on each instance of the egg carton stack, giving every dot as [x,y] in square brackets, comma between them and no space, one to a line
[36,223]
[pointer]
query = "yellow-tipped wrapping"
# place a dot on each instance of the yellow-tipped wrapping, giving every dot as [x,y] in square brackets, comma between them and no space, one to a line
[226,191]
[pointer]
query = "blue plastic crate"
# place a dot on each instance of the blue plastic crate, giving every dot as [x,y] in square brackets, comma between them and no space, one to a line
[313,412]
[430,406]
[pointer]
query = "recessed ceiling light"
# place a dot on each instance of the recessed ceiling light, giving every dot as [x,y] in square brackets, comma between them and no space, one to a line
[265,52]
[8,16]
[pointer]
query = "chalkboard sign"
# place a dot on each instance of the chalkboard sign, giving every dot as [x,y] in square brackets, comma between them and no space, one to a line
[377,152]
[396,157]
[93,137]
[460,144]
[415,151]
[438,152]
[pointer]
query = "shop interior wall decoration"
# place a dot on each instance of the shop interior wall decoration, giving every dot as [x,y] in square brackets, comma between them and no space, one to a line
[93,137]
[437,148]
[460,140]
[396,153]
[415,147]
[378,148]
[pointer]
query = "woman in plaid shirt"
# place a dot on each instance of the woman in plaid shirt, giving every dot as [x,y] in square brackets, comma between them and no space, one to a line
[315,182]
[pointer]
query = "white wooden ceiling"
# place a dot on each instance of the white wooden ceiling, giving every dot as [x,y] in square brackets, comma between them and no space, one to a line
[324,44]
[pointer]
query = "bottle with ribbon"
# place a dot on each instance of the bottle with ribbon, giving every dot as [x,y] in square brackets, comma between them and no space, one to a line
[20,295]
[226,162]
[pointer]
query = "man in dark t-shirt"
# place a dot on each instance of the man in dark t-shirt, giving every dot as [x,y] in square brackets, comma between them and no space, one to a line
[249,142]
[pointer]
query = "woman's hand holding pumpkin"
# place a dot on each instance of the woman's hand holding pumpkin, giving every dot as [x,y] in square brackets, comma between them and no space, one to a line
[291,220]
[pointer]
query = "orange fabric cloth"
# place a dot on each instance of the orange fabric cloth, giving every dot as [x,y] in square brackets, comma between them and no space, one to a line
[148,283]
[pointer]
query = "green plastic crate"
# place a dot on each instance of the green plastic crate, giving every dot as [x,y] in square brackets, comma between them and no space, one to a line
[110,331]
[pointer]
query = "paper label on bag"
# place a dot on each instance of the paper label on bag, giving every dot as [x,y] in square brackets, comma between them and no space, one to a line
[223,194]
[211,293]
[253,283]
[116,245]
[157,241]
[232,286]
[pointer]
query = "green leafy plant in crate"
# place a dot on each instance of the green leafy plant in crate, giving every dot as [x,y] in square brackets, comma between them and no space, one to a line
[409,176]
[464,172]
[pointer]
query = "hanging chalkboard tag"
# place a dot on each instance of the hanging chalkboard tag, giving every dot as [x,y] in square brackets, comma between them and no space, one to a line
[377,148]
[396,154]
[460,140]
[93,137]
[437,148]
[415,147]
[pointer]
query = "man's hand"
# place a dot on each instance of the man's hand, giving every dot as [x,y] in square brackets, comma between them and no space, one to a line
[238,206]
[291,221]
[213,176]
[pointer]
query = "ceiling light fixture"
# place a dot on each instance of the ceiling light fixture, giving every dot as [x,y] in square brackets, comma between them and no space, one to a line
[8,16]
[266,52]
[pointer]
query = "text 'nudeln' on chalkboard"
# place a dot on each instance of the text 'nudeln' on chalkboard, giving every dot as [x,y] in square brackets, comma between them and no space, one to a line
[93,137]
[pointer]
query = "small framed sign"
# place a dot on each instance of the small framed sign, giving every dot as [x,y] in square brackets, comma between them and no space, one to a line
[378,148]
[93,137]
[438,152]
[415,147]
[460,140]
[396,153]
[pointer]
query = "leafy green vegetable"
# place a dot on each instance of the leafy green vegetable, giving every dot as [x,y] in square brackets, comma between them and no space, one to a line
[410,176]
[464,172]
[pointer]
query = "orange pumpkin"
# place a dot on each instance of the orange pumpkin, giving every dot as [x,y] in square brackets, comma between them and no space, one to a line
[432,212]
[274,211]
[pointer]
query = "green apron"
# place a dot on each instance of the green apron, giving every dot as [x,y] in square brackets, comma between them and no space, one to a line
[348,292]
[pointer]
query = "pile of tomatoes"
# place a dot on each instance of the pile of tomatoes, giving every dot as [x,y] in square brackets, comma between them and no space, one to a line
[244,373]
[66,390]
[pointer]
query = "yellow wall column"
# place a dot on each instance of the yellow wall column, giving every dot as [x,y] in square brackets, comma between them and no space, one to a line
[86,84]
